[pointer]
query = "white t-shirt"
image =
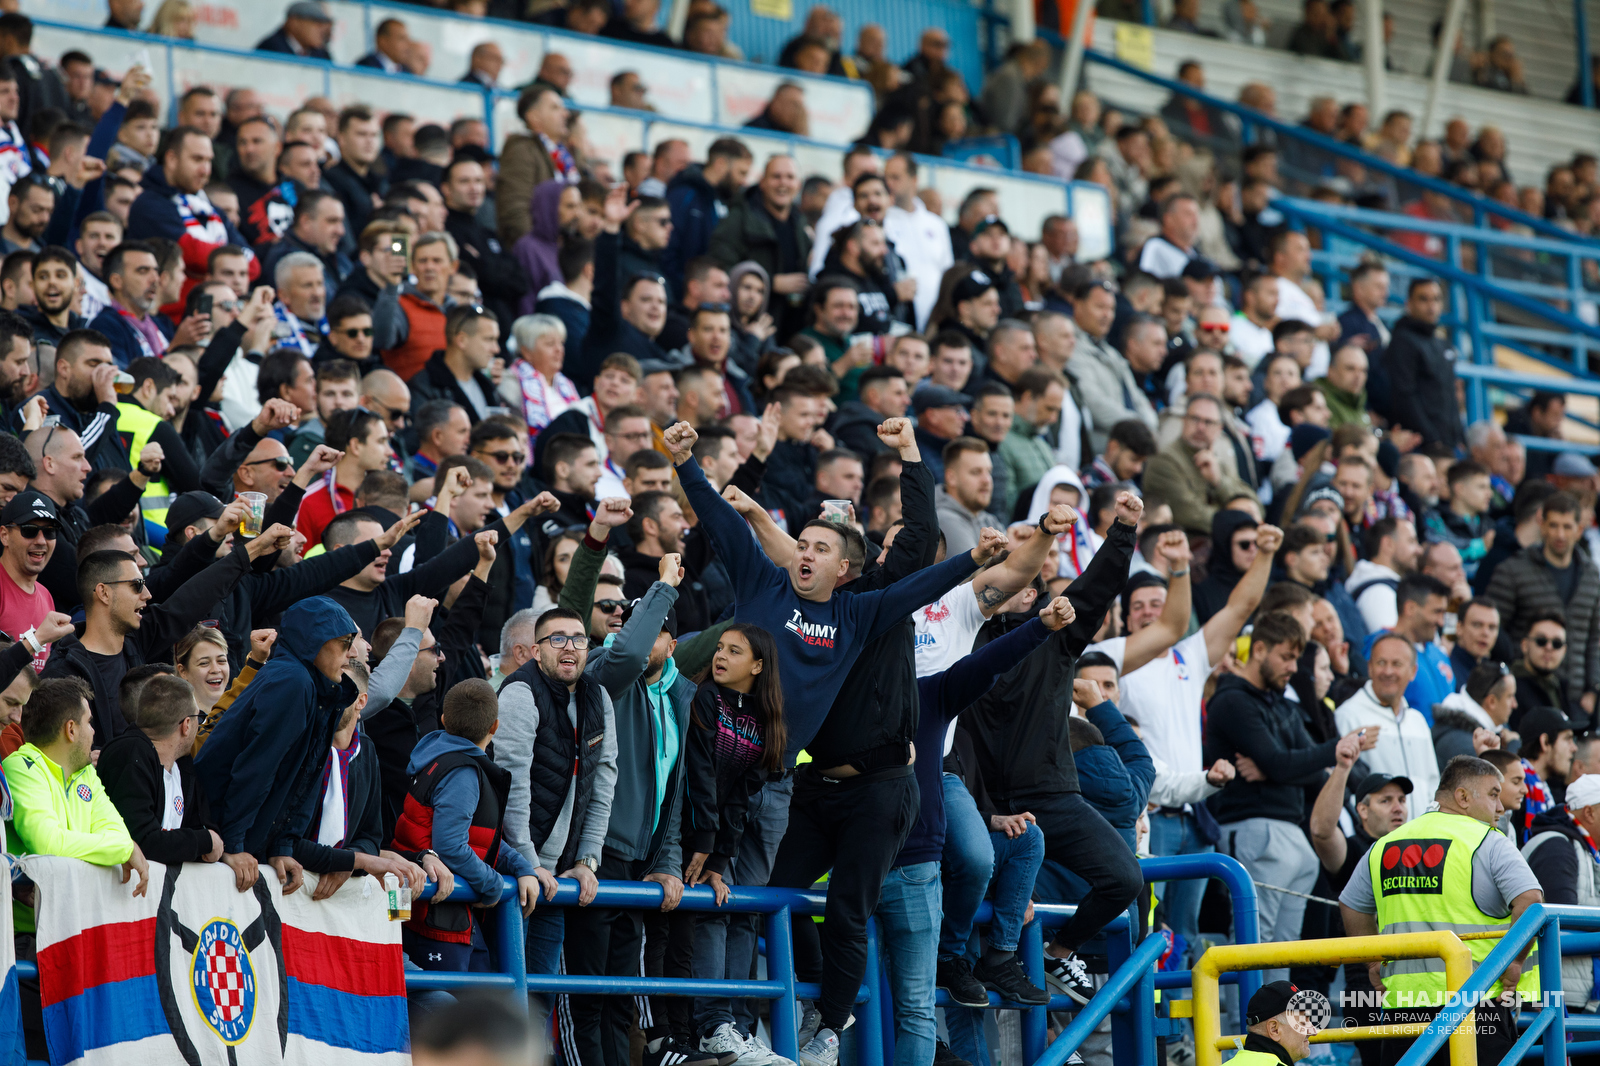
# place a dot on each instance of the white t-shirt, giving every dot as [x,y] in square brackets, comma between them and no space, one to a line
[946,629]
[1250,341]
[1164,696]
[1163,258]
[475,396]
[1268,434]
[172,812]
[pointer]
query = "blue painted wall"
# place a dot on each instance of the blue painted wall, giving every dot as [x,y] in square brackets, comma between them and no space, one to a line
[903,20]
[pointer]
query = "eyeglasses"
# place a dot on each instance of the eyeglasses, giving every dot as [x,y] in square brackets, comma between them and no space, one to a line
[561,640]
[30,531]
[434,650]
[611,606]
[1197,420]
[1550,642]
[356,331]
[134,583]
[641,435]
[282,462]
[348,642]
[506,457]
[1215,327]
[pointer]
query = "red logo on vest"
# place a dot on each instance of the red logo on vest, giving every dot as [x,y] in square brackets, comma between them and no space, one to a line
[1416,867]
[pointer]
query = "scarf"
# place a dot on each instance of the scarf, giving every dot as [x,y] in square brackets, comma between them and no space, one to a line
[542,402]
[1535,803]
[200,220]
[151,340]
[291,332]
[15,161]
[566,167]
[333,819]
[331,487]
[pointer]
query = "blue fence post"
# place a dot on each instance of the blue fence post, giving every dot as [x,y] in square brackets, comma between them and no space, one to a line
[1119,949]
[780,967]
[1035,1021]
[1580,30]
[512,943]
[1555,1037]
[886,1012]
[869,1052]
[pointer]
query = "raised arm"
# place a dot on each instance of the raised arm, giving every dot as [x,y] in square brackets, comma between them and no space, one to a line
[748,567]
[974,674]
[1000,582]
[1326,837]
[1226,623]
[619,666]
[577,594]
[1103,579]
[916,546]
[1154,639]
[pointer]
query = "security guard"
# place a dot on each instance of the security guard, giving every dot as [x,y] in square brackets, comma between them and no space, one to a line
[138,418]
[1276,1035]
[1447,870]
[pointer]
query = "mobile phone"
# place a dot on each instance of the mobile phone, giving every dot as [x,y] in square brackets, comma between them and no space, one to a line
[50,420]
[400,244]
[204,304]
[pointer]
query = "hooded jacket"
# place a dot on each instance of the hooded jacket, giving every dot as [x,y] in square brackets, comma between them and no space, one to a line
[1211,595]
[1077,546]
[455,799]
[718,793]
[1405,743]
[265,756]
[536,249]
[1019,727]
[1566,870]
[1243,719]
[697,206]
[1422,382]
[652,728]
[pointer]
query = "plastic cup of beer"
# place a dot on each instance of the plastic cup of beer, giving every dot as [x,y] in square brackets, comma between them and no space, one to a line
[255,512]
[836,511]
[398,898]
[123,383]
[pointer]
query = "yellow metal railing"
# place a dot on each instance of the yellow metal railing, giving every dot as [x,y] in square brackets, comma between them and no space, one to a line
[1209,1042]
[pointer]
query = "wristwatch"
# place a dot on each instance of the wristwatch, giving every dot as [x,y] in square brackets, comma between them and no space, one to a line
[592,863]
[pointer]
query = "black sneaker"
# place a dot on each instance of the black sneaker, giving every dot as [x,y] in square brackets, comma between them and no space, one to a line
[1011,982]
[955,977]
[672,1053]
[1069,976]
[943,1056]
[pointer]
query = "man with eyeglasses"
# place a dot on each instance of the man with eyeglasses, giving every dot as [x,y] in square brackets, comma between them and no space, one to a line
[349,334]
[512,579]
[115,638]
[29,526]
[1540,682]
[627,431]
[1186,472]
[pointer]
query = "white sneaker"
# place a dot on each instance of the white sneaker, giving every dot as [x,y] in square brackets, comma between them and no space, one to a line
[821,1050]
[724,1042]
[810,1022]
[757,1053]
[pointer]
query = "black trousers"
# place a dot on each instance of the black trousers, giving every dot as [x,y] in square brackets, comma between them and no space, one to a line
[854,828]
[668,952]
[1079,838]
[1496,1032]
[603,942]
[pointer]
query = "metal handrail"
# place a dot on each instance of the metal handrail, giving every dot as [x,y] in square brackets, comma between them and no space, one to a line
[1481,205]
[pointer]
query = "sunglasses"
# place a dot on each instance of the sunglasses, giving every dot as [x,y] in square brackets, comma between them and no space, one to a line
[397,415]
[30,531]
[561,640]
[1214,328]
[506,457]
[1550,642]
[610,606]
[282,462]
[134,583]
[356,331]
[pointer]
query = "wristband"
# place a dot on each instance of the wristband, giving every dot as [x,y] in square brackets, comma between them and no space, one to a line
[1179,573]
[592,544]
[31,639]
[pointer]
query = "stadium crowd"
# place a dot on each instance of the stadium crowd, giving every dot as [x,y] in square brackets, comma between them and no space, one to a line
[376,505]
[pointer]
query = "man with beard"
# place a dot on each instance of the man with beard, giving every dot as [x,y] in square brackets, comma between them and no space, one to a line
[269,217]
[133,275]
[464,188]
[55,286]
[84,398]
[29,526]
[871,201]
[861,253]
[255,164]
[1248,716]
[698,197]
[31,203]
[16,364]
[97,235]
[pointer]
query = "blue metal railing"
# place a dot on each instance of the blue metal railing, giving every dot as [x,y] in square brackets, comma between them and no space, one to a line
[1481,208]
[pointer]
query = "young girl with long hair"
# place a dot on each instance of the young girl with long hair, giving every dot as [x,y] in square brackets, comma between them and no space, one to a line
[737,739]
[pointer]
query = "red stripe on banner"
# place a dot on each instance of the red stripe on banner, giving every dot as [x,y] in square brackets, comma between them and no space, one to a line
[341,963]
[101,954]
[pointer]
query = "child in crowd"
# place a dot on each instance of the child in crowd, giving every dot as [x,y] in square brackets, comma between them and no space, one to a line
[1463,519]
[736,740]
[455,807]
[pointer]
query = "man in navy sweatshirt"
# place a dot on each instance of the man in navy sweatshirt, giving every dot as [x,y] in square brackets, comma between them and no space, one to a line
[820,633]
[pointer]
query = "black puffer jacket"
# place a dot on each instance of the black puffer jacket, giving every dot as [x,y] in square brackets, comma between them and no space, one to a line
[1019,728]
[1420,363]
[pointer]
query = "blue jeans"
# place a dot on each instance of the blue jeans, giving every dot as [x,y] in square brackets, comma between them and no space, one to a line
[725,944]
[546,929]
[908,922]
[1016,864]
[1177,834]
[968,862]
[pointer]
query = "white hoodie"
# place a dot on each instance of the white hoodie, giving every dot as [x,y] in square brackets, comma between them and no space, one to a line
[1405,743]
[1077,545]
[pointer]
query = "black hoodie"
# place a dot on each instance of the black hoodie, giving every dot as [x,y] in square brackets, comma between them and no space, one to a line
[1244,720]
[1211,595]
[1555,863]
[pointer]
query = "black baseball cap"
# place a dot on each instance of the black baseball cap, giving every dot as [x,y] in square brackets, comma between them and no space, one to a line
[972,286]
[190,508]
[938,396]
[1541,721]
[669,624]
[1372,782]
[1269,1002]
[30,505]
